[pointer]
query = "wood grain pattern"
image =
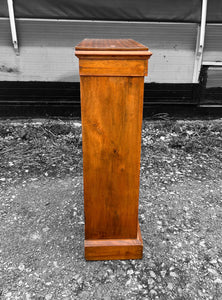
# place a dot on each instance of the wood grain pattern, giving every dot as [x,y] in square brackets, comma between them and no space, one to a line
[109,67]
[110,44]
[112,89]
[111,120]
[114,248]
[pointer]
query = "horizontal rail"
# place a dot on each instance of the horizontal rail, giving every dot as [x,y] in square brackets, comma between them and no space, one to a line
[98,21]
[212,63]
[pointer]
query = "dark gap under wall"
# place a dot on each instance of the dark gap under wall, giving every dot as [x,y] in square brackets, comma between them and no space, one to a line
[211,86]
[62,99]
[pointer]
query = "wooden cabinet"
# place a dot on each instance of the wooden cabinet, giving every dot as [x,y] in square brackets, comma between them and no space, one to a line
[112,84]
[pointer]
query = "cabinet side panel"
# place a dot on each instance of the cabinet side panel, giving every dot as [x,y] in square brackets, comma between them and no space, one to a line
[111,118]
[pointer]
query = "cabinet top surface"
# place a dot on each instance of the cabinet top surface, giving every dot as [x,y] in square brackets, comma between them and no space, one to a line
[110,45]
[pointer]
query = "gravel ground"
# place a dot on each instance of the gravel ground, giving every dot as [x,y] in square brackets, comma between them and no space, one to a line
[42,221]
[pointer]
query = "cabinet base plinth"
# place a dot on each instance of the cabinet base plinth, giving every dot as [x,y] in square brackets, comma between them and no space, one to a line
[111,249]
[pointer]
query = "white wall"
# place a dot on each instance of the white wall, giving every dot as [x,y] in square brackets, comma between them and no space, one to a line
[47,48]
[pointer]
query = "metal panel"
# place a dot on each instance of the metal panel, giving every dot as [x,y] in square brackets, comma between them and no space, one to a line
[214,77]
[214,11]
[213,43]
[5,33]
[47,48]
[125,10]
[4,9]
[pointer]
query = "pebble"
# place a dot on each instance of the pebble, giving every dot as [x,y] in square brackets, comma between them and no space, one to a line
[170,286]
[76,276]
[109,271]
[212,271]
[213,261]
[77,124]
[200,293]
[35,236]
[20,283]
[8,295]
[45,229]
[163,273]
[130,272]
[21,267]
[128,282]
[28,296]
[55,264]
[150,281]
[153,292]
[152,274]
[218,280]
[173,274]
[202,243]
[180,291]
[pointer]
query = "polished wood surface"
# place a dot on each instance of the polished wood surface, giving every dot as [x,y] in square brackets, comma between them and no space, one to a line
[112,88]
[110,44]
[110,67]
[111,120]
[114,248]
